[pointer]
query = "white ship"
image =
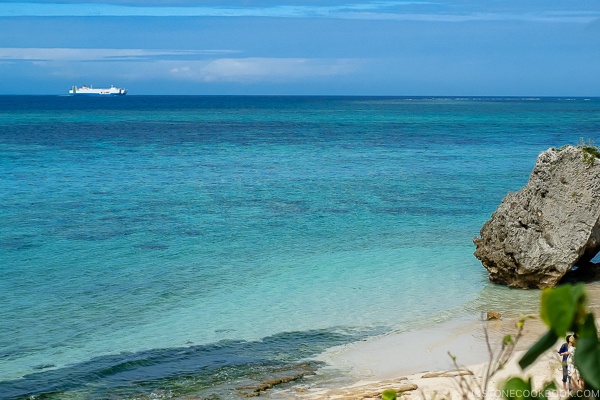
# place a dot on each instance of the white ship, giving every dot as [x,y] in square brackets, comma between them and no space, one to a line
[90,91]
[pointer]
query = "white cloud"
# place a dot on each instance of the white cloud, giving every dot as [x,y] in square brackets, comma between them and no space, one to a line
[55,9]
[263,69]
[183,65]
[73,54]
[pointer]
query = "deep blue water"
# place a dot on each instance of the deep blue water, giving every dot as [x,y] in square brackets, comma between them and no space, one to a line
[165,245]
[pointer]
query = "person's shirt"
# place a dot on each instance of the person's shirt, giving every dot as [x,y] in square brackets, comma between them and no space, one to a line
[564,349]
[571,350]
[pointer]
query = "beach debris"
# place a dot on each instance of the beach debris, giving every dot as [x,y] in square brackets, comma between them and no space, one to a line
[375,390]
[492,316]
[255,390]
[448,374]
[540,233]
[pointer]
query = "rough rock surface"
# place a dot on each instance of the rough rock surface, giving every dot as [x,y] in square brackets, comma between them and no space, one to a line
[541,232]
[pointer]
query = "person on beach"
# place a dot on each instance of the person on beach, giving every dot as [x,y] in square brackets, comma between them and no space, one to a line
[573,372]
[564,353]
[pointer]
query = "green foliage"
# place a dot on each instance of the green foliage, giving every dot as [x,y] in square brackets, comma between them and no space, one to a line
[515,388]
[539,348]
[590,152]
[389,394]
[563,309]
[587,356]
[518,389]
[508,339]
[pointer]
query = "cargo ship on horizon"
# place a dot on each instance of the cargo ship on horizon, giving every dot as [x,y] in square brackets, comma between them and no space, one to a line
[90,91]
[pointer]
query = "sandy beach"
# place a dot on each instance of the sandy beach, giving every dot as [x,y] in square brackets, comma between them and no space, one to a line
[417,363]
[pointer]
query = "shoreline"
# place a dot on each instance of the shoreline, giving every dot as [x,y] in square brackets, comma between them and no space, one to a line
[418,361]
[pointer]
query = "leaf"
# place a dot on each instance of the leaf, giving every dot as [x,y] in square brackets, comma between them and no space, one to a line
[516,388]
[507,340]
[588,329]
[561,306]
[545,342]
[587,353]
[580,299]
[550,387]
[389,394]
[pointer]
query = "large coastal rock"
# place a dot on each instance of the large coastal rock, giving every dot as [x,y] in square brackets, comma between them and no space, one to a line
[538,234]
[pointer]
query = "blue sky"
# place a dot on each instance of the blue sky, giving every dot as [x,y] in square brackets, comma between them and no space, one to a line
[337,47]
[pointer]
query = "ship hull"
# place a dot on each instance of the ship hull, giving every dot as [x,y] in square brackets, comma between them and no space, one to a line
[78,94]
[90,91]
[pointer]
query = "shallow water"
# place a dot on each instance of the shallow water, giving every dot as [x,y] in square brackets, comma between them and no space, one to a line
[145,226]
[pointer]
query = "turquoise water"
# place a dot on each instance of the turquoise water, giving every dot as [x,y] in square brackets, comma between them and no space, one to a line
[165,245]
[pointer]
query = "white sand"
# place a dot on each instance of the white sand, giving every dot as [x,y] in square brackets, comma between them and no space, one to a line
[388,356]
[401,361]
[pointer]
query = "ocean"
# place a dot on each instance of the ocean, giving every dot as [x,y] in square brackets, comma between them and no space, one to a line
[173,246]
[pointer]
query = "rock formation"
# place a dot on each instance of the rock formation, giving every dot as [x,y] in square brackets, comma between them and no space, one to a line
[541,232]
